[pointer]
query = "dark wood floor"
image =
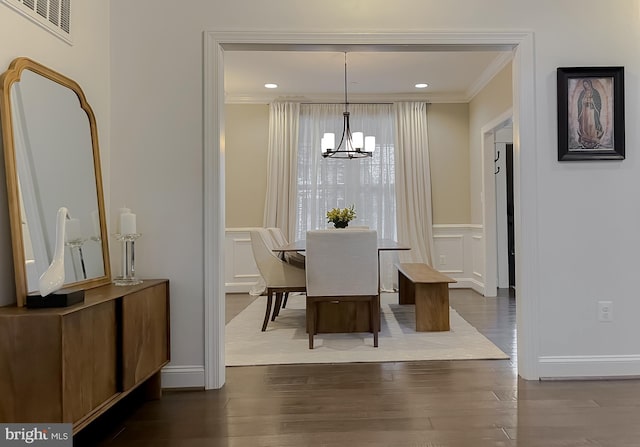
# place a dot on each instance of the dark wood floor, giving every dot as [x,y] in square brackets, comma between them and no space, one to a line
[466,403]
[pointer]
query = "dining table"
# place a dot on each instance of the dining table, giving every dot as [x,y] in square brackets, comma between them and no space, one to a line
[331,316]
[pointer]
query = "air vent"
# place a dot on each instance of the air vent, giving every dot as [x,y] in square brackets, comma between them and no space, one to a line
[65,16]
[42,8]
[53,15]
[54,11]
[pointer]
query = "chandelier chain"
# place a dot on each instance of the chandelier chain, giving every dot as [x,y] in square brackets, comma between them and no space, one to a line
[346,102]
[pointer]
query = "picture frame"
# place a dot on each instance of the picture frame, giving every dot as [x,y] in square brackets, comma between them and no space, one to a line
[591,113]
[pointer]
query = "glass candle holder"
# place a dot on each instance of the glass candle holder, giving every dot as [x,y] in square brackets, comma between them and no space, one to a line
[77,257]
[128,277]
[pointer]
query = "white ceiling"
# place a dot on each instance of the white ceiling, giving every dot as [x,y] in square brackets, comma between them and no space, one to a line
[453,76]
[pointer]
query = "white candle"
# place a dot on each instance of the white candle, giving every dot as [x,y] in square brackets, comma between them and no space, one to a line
[127,223]
[329,140]
[95,220]
[121,211]
[72,230]
[357,139]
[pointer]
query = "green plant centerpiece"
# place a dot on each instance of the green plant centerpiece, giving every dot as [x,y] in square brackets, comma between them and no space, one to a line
[341,216]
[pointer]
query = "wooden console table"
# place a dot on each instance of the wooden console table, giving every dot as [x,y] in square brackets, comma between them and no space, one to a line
[71,364]
[428,289]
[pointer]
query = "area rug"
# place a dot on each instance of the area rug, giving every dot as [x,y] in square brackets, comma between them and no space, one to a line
[286,342]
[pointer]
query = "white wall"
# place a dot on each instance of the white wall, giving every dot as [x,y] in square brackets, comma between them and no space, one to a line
[448,127]
[582,209]
[247,141]
[86,62]
[492,101]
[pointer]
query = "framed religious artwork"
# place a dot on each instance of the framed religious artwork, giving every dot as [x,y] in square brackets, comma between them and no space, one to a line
[590,113]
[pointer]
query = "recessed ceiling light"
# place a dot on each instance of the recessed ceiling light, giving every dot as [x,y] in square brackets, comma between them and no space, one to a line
[422,85]
[271,85]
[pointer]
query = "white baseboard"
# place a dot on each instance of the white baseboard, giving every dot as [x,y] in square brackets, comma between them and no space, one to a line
[191,376]
[468,283]
[588,366]
[238,287]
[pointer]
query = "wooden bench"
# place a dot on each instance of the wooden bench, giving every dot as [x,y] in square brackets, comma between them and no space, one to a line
[428,289]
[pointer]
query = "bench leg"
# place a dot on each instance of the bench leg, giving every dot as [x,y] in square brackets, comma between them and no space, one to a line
[406,290]
[432,307]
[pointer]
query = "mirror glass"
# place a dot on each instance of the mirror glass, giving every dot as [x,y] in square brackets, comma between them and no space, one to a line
[52,161]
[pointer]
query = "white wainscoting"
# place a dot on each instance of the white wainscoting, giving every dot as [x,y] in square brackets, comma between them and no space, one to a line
[459,253]
[240,272]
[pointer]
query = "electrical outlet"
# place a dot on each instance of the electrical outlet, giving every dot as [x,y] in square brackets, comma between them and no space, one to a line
[605,311]
[443,260]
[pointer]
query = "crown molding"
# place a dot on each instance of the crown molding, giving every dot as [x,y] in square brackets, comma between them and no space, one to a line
[488,74]
[267,98]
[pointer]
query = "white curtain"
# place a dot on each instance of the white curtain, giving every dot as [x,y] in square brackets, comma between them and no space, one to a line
[280,202]
[366,183]
[413,182]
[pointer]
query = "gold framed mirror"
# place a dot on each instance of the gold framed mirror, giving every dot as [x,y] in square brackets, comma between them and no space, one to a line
[52,160]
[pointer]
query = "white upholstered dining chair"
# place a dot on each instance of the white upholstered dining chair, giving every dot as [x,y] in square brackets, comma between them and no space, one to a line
[279,239]
[294,258]
[342,266]
[279,276]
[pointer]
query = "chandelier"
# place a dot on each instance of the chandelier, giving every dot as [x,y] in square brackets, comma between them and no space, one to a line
[352,145]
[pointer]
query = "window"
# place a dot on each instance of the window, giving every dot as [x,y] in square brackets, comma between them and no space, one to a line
[367,183]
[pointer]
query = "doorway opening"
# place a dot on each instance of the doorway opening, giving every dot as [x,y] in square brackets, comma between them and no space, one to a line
[524,112]
[505,218]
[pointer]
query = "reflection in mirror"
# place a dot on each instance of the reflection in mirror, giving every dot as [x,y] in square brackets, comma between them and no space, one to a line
[52,160]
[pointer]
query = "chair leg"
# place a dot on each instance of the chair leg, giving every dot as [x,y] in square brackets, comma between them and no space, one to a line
[268,311]
[311,321]
[286,297]
[276,309]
